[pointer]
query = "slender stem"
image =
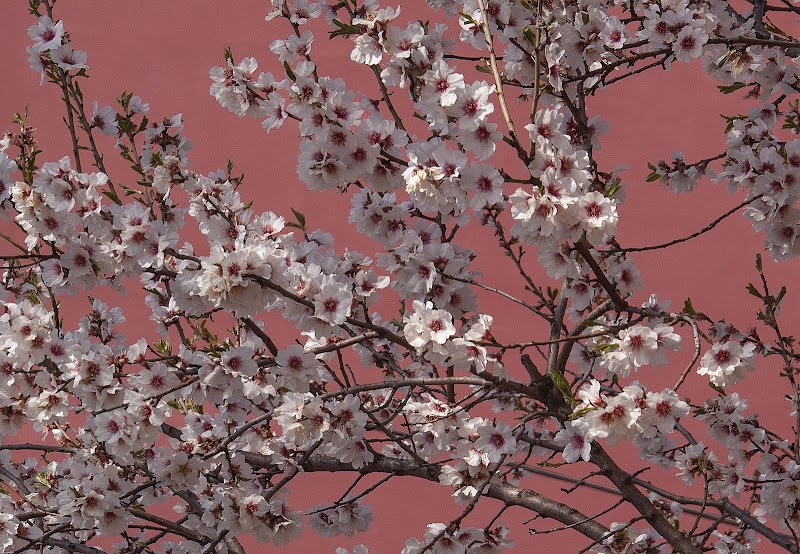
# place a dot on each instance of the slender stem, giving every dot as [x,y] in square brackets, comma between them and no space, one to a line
[343,343]
[376,69]
[494,290]
[696,337]
[70,120]
[705,229]
[610,289]
[256,330]
[523,155]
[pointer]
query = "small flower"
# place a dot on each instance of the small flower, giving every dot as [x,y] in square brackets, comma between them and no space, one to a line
[428,325]
[689,43]
[47,34]
[332,303]
[105,120]
[725,364]
[576,443]
[494,442]
[68,59]
[367,50]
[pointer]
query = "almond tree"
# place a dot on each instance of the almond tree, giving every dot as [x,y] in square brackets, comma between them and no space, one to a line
[221,420]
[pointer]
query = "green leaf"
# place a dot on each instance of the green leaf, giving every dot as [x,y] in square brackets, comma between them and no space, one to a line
[345,29]
[128,190]
[33,7]
[727,89]
[528,34]
[752,290]
[582,412]
[162,347]
[113,196]
[124,99]
[615,186]
[289,72]
[562,385]
[20,119]
[688,309]
[468,18]
[174,404]
[654,176]
[771,27]
[731,120]
[610,347]
[780,296]
[301,219]
[719,389]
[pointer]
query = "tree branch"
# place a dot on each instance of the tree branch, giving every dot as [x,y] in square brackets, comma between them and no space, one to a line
[504,492]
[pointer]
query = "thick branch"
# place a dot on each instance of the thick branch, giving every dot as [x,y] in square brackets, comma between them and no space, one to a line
[612,291]
[508,494]
[171,526]
[725,506]
[680,542]
[576,335]
[71,546]
[555,333]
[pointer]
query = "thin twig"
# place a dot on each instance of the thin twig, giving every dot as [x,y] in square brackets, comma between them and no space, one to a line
[696,337]
[705,229]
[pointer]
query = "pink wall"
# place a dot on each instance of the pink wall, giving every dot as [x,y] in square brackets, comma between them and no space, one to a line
[162,51]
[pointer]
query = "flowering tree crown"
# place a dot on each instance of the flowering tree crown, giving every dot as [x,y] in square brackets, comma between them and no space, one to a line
[221,421]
